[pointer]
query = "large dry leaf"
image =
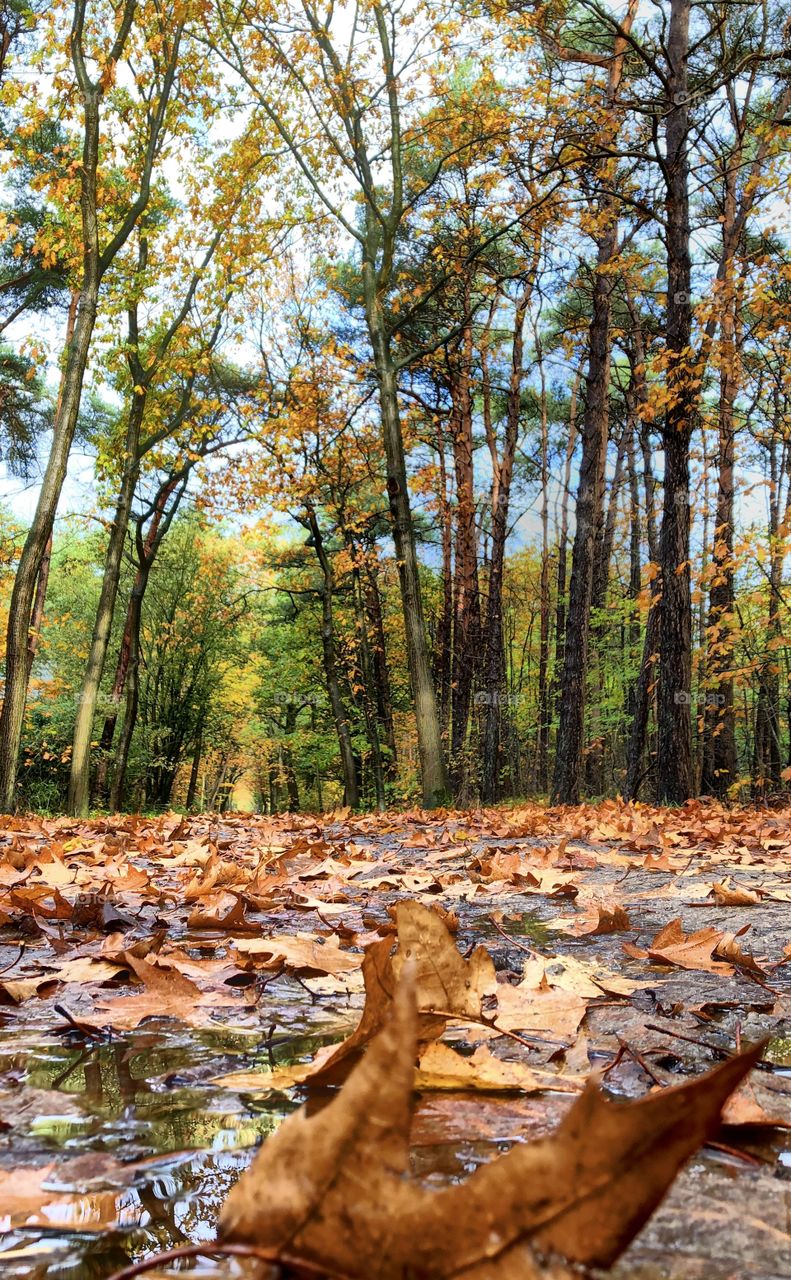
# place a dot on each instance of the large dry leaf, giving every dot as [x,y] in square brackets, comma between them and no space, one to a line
[743,1108]
[728,949]
[167,994]
[613,918]
[331,1189]
[586,978]
[221,911]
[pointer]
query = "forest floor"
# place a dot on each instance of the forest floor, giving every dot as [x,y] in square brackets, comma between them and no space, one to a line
[166,985]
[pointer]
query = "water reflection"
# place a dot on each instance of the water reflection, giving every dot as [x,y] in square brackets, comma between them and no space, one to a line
[146,1160]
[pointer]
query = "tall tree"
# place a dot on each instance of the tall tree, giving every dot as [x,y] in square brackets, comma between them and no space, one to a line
[99,38]
[594,434]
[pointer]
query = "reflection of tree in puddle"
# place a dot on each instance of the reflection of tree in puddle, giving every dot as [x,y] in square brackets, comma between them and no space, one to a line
[779,1051]
[90,1234]
[164,1156]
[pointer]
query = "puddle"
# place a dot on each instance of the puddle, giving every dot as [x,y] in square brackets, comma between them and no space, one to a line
[126,1148]
[779,1052]
[526,925]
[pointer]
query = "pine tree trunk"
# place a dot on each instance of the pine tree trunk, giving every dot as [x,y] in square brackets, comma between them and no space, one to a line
[560,586]
[635,578]
[544,595]
[719,745]
[466,600]
[571,732]
[443,639]
[674,723]
[646,679]
[493,682]
[570,745]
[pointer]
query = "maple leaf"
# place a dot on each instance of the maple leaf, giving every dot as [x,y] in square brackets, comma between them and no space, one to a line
[685,950]
[331,1189]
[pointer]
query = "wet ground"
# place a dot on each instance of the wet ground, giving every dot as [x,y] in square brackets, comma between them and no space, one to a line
[117,1142]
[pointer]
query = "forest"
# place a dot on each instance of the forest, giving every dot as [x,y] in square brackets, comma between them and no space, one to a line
[395,654]
[394,403]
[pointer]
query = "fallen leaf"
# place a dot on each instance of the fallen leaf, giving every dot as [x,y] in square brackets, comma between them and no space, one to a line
[612,919]
[540,1009]
[729,949]
[331,1189]
[302,953]
[743,1108]
[440,1067]
[221,911]
[444,979]
[687,951]
[727,896]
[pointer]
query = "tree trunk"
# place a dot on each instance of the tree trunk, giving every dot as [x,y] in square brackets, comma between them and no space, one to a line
[493,681]
[429,732]
[601,572]
[132,697]
[147,549]
[348,764]
[37,616]
[635,577]
[544,594]
[442,645]
[560,586]
[65,421]
[466,600]
[368,694]
[292,786]
[646,680]
[719,745]
[192,788]
[79,781]
[381,673]
[94,265]
[674,724]
[590,490]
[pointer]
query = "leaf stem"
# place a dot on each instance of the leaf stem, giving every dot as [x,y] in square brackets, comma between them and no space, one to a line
[229,1250]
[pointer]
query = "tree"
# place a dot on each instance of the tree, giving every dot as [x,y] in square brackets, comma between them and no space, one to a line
[355,101]
[165,372]
[594,434]
[101,42]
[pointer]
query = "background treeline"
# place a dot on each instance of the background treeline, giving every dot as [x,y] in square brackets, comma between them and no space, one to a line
[433,365]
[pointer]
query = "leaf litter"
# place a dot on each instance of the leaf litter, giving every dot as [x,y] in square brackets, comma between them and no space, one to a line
[171,989]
